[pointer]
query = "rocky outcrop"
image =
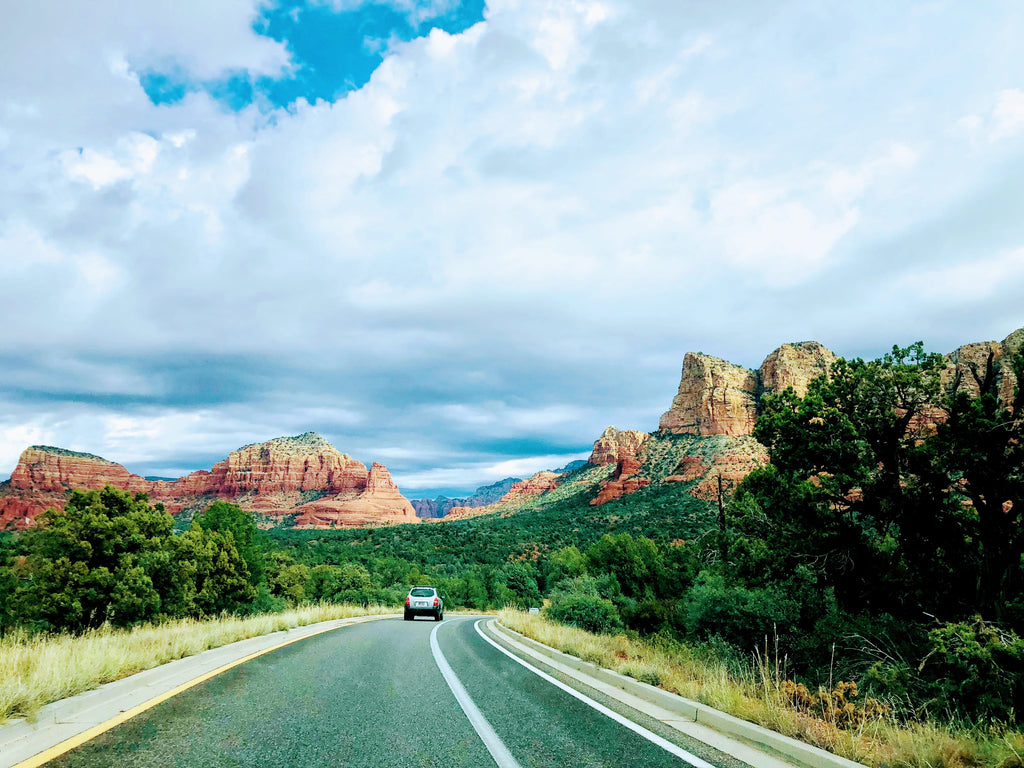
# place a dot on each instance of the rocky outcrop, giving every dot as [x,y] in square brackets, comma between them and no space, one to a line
[303,463]
[45,469]
[795,365]
[535,485]
[624,481]
[967,364]
[614,445]
[304,476]
[379,502]
[521,491]
[715,397]
[622,448]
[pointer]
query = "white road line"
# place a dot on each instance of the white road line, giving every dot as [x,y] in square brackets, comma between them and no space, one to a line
[494,744]
[652,737]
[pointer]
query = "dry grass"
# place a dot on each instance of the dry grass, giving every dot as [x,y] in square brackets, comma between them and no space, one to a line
[754,694]
[35,670]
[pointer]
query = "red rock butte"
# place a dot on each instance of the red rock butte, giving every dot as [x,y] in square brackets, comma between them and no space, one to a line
[303,476]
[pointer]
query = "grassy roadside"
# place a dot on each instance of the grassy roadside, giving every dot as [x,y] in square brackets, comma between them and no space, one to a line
[35,670]
[757,694]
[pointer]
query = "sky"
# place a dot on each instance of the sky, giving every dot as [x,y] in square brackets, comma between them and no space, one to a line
[462,237]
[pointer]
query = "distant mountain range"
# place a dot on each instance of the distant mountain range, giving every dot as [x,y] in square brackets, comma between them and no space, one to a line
[306,482]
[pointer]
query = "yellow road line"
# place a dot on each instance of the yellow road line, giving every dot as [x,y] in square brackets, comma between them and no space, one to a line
[77,740]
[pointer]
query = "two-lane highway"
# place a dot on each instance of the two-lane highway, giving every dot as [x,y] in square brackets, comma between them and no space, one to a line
[375,695]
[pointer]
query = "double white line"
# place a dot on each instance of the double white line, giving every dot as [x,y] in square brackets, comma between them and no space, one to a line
[497,747]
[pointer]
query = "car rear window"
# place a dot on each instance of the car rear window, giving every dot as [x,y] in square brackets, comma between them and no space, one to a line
[423,593]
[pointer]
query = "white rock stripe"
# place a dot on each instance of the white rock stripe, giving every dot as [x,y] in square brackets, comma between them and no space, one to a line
[483,728]
[652,737]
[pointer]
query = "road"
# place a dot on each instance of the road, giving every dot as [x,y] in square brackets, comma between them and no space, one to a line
[374,695]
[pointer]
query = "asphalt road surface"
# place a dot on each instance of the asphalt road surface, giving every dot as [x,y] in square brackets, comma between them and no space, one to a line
[374,695]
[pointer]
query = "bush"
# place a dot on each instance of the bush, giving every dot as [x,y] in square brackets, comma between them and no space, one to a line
[975,669]
[740,616]
[587,612]
[580,603]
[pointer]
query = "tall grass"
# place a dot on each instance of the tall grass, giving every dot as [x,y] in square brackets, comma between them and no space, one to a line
[38,669]
[754,691]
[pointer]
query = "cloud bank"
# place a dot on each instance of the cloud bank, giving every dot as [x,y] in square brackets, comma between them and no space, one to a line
[503,241]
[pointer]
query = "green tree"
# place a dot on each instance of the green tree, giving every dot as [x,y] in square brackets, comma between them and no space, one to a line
[635,563]
[222,517]
[92,562]
[521,583]
[211,576]
[286,578]
[980,447]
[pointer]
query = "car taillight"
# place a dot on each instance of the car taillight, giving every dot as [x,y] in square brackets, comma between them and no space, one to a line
[407,601]
[436,603]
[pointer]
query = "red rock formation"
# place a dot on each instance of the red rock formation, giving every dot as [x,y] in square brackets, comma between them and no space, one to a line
[795,365]
[304,463]
[18,512]
[715,398]
[379,502]
[535,485]
[624,481]
[733,466]
[275,478]
[615,445]
[964,362]
[44,469]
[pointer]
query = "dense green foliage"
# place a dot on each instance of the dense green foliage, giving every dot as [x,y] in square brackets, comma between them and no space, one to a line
[881,545]
[894,499]
[111,557]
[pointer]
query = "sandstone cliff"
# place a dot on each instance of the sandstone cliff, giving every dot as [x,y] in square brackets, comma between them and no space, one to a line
[715,397]
[44,469]
[795,365]
[970,360]
[303,476]
[614,445]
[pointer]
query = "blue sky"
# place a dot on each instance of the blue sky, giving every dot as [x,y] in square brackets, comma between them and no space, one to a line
[462,238]
[333,49]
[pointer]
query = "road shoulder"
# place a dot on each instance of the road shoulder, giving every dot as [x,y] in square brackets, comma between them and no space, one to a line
[742,740]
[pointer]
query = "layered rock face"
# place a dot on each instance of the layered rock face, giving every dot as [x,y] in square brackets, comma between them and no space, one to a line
[614,445]
[622,448]
[535,485]
[379,501]
[304,476]
[963,362]
[715,398]
[44,469]
[795,365]
[303,463]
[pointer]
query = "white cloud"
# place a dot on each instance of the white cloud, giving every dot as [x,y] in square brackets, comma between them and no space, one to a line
[969,281]
[1007,115]
[483,473]
[15,439]
[580,185]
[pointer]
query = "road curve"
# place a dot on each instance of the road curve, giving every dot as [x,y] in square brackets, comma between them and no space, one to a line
[374,695]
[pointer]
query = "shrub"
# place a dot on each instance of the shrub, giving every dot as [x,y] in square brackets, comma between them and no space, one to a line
[976,669]
[580,603]
[588,612]
[740,616]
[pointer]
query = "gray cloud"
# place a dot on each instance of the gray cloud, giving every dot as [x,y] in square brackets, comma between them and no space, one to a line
[506,240]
